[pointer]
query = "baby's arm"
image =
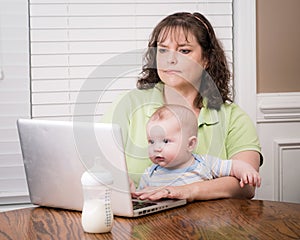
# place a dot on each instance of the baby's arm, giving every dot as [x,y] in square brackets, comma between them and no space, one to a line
[245,173]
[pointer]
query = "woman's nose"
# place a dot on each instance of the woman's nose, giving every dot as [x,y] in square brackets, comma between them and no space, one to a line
[172,57]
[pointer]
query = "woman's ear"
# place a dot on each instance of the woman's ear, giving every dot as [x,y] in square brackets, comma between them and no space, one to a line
[192,143]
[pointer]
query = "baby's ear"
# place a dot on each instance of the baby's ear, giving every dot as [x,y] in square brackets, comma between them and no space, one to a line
[192,143]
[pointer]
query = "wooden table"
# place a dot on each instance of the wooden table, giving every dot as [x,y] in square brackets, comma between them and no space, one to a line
[219,219]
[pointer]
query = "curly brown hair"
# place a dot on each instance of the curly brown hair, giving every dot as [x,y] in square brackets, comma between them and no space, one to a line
[215,78]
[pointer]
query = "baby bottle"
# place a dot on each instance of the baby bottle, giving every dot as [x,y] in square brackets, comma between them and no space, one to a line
[97,215]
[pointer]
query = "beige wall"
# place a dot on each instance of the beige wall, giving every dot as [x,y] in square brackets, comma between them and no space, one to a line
[278,46]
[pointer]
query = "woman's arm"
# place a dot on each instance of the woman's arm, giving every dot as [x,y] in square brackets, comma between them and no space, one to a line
[224,187]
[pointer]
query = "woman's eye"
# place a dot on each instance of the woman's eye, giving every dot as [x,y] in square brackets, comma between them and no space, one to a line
[185,51]
[150,141]
[162,50]
[166,140]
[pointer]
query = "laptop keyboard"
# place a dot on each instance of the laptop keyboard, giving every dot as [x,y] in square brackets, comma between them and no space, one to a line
[142,204]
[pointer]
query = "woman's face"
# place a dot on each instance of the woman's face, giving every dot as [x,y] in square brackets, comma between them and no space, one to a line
[179,60]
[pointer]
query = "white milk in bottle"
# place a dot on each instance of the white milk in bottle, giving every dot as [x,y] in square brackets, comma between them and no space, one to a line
[97,215]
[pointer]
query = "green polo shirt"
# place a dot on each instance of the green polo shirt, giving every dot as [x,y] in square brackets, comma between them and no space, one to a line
[222,133]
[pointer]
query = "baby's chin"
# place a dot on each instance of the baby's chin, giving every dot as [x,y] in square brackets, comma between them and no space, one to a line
[159,161]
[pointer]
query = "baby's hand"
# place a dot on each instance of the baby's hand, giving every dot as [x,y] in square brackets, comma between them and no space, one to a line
[251,177]
[245,173]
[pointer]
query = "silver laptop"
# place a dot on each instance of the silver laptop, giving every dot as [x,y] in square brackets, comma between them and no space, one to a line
[56,153]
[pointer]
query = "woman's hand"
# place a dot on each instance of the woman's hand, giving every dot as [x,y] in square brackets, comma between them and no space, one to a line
[156,193]
[132,186]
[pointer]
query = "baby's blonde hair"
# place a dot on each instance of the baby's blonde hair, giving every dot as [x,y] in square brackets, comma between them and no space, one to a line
[185,117]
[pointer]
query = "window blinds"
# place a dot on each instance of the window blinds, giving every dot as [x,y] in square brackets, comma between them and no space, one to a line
[80,49]
[14,97]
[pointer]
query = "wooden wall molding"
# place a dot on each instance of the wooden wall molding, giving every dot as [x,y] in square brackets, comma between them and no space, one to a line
[280,145]
[278,107]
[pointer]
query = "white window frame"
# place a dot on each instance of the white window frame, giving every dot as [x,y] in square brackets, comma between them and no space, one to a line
[244,41]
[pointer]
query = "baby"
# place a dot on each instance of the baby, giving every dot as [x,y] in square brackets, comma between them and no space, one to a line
[172,137]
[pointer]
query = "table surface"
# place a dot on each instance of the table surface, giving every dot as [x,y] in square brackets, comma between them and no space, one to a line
[218,219]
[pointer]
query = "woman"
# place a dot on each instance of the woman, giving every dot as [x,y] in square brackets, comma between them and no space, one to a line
[186,65]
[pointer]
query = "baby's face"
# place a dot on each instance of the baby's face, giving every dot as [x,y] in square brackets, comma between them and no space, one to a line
[167,145]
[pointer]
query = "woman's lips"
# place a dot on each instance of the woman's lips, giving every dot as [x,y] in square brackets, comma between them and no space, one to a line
[171,71]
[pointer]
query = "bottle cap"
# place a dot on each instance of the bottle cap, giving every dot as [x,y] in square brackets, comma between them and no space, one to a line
[99,177]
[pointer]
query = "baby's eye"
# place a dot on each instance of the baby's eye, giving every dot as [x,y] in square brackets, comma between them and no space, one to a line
[150,141]
[185,51]
[166,140]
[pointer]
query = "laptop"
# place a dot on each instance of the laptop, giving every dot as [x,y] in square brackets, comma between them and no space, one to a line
[56,153]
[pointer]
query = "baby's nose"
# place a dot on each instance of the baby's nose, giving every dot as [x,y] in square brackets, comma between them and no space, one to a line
[158,146]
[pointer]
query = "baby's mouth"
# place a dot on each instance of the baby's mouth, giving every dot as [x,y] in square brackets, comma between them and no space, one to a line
[159,159]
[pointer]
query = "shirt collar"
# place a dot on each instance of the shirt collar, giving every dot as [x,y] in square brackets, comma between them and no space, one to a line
[207,115]
[156,167]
